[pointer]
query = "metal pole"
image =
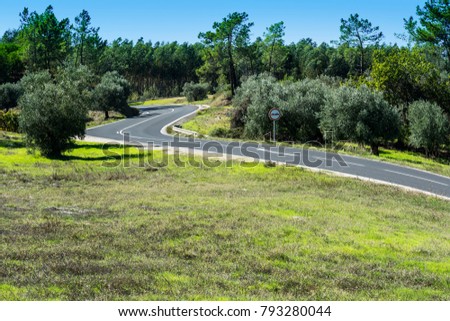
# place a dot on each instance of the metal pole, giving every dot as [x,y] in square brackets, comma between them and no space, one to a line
[274,129]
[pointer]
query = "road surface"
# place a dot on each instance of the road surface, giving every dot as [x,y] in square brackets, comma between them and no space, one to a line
[148,128]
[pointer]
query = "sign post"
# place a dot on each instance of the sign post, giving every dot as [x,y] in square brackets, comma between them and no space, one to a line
[274,115]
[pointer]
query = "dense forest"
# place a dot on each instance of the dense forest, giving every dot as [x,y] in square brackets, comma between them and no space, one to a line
[225,57]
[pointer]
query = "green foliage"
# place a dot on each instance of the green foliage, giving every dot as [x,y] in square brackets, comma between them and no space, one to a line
[153,70]
[225,132]
[275,53]
[301,111]
[9,95]
[88,45]
[53,113]
[46,39]
[11,62]
[434,19]
[300,103]
[429,126]
[253,100]
[219,132]
[160,69]
[358,33]
[9,121]
[112,93]
[405,76]
[338,65]
[195,92]
[359,115]
[231,35]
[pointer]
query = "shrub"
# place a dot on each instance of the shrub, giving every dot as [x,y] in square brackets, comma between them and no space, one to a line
[9,121]
[359,115]
[219,132]
[429,126]
[9,95]
[150,93]
[194,92]
[52,114]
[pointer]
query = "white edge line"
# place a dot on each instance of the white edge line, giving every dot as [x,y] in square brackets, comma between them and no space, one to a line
[164,129]
[316,157]
[151,118]
[376,181]
[387,162]
[416,177]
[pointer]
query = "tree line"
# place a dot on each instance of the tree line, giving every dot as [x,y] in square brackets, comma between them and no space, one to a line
[222,57]
[226,58]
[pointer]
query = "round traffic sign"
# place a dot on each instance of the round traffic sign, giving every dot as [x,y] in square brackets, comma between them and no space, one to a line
[274,114]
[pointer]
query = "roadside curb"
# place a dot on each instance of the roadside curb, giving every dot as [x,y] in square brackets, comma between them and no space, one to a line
[181,130]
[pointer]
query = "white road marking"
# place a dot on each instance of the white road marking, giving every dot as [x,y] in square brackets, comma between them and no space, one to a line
[151,118]
[315,157]
[346,162]
[164,129]
[417,177]
[276,153]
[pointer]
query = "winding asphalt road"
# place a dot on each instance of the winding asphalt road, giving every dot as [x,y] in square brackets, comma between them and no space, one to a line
[149,128]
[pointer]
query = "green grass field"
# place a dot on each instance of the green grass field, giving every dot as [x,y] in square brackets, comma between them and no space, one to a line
[72,229]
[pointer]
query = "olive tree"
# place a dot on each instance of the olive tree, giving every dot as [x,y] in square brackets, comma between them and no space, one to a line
[301,109]
[360,115]
[9,95]
[256,96]
[112,93]
[54,112]
[429,126]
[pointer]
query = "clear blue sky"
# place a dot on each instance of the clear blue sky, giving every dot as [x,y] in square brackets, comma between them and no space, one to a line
[182,20]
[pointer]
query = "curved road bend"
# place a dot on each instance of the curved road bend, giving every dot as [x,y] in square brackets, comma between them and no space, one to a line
[147,128]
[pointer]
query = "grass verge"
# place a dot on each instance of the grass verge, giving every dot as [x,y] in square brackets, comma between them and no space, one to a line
[72,229]
[209,120]
[170,101]
[97,118]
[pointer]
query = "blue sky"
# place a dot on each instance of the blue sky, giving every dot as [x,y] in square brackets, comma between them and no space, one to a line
[182,20]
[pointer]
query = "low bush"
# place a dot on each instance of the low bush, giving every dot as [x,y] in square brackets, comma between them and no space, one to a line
[9,95]
[219,132]
[9,121]
[194,92]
